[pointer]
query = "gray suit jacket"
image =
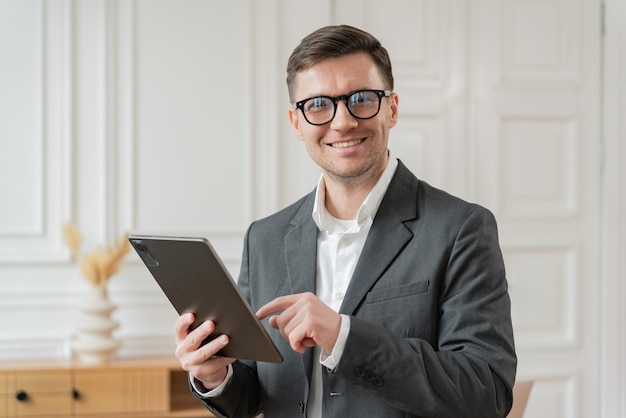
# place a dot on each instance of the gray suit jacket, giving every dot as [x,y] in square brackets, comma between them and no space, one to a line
[430,328]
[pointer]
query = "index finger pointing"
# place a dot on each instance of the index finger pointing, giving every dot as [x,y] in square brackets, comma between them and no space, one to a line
[279,304]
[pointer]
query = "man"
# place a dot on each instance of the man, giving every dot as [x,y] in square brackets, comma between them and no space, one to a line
[385,296]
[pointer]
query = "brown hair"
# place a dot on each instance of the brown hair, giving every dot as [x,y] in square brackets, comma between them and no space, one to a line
[333,42]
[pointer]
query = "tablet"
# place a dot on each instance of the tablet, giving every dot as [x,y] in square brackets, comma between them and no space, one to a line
[194,279]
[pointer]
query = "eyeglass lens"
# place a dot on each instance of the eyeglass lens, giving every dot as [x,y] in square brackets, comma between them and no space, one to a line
[361,104]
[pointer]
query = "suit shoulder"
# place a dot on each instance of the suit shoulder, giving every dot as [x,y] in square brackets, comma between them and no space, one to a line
[434,200]
[430,201]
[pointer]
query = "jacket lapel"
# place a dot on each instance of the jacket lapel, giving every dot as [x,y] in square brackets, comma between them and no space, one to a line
[388,235]
[301,249]
[301,261]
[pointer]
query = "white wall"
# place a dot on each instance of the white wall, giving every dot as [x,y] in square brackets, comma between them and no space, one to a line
[171,117]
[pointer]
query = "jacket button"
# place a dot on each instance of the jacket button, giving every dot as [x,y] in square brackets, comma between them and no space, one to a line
[378,381]
[359,371]
[369,376]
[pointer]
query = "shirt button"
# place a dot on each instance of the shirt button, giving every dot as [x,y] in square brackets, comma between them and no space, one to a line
[346,241]
[339,295]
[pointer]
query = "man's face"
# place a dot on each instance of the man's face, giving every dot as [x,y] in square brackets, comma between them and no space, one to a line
[347,149]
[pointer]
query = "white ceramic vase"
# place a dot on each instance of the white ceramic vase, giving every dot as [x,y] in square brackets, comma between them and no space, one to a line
[93,342]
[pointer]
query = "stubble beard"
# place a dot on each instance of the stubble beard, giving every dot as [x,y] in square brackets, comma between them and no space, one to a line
[356,175]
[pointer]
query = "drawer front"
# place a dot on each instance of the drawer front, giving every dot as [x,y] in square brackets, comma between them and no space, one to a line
[43,382]
[40,394]
[129,391]
[43,404]
[100,392]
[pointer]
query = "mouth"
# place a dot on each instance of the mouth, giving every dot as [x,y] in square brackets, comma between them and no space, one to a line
[347,144]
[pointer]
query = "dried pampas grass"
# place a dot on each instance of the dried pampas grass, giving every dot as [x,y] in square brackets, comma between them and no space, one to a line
[101,264]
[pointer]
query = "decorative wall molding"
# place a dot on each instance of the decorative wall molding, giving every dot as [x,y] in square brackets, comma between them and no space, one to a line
[60,348]
[550,277]
[24,298]
[264,135]
[51,187]
[34,348]
[539,185]
[556,392]
[547,57]
[148,346]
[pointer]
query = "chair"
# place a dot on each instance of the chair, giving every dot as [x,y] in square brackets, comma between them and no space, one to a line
[521,392]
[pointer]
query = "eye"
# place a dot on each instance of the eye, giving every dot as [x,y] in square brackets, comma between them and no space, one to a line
[363,98]
[358,97]
[317,104]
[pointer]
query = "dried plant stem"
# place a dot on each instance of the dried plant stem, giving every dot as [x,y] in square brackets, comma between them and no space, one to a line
[99,266]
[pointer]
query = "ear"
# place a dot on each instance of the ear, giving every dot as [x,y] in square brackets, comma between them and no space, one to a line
[393,109]
[295,122]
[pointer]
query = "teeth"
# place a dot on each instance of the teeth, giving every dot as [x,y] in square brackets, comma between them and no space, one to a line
[347,144]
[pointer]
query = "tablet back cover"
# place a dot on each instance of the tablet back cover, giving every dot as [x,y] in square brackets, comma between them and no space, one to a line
[194,279]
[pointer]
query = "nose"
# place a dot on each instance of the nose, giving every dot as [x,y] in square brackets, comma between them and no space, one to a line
[343,119]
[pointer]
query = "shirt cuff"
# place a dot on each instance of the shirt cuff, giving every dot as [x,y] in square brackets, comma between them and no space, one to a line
[215,392]
[330,360]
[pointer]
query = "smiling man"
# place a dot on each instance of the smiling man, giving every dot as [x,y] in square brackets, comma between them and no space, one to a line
[387,297]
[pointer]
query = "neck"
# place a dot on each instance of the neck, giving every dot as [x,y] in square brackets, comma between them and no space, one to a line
[344,205]
[343,198]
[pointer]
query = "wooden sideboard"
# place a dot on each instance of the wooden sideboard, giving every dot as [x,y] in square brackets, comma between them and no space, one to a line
[132,388]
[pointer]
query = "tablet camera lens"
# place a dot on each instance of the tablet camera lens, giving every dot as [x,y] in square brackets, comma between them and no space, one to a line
[145,253]
[141,247]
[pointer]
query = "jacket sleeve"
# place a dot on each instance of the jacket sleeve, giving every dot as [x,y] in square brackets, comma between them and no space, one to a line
[469,368]
[239,398]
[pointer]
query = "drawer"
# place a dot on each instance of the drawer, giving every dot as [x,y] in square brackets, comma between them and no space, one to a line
[43,382]
[40,394]
[42,405]
[129,391]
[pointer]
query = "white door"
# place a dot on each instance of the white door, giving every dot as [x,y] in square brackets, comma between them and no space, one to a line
[535,139]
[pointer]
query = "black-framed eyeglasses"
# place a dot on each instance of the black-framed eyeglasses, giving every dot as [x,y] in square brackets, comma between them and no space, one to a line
[362,104]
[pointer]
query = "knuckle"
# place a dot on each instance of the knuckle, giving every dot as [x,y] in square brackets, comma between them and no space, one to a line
[202,351]
[185,364]
[192,340]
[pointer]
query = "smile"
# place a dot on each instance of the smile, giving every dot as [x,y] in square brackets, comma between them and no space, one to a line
[347,143]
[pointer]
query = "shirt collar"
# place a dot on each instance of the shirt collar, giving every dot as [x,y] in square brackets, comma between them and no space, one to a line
[368,208]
